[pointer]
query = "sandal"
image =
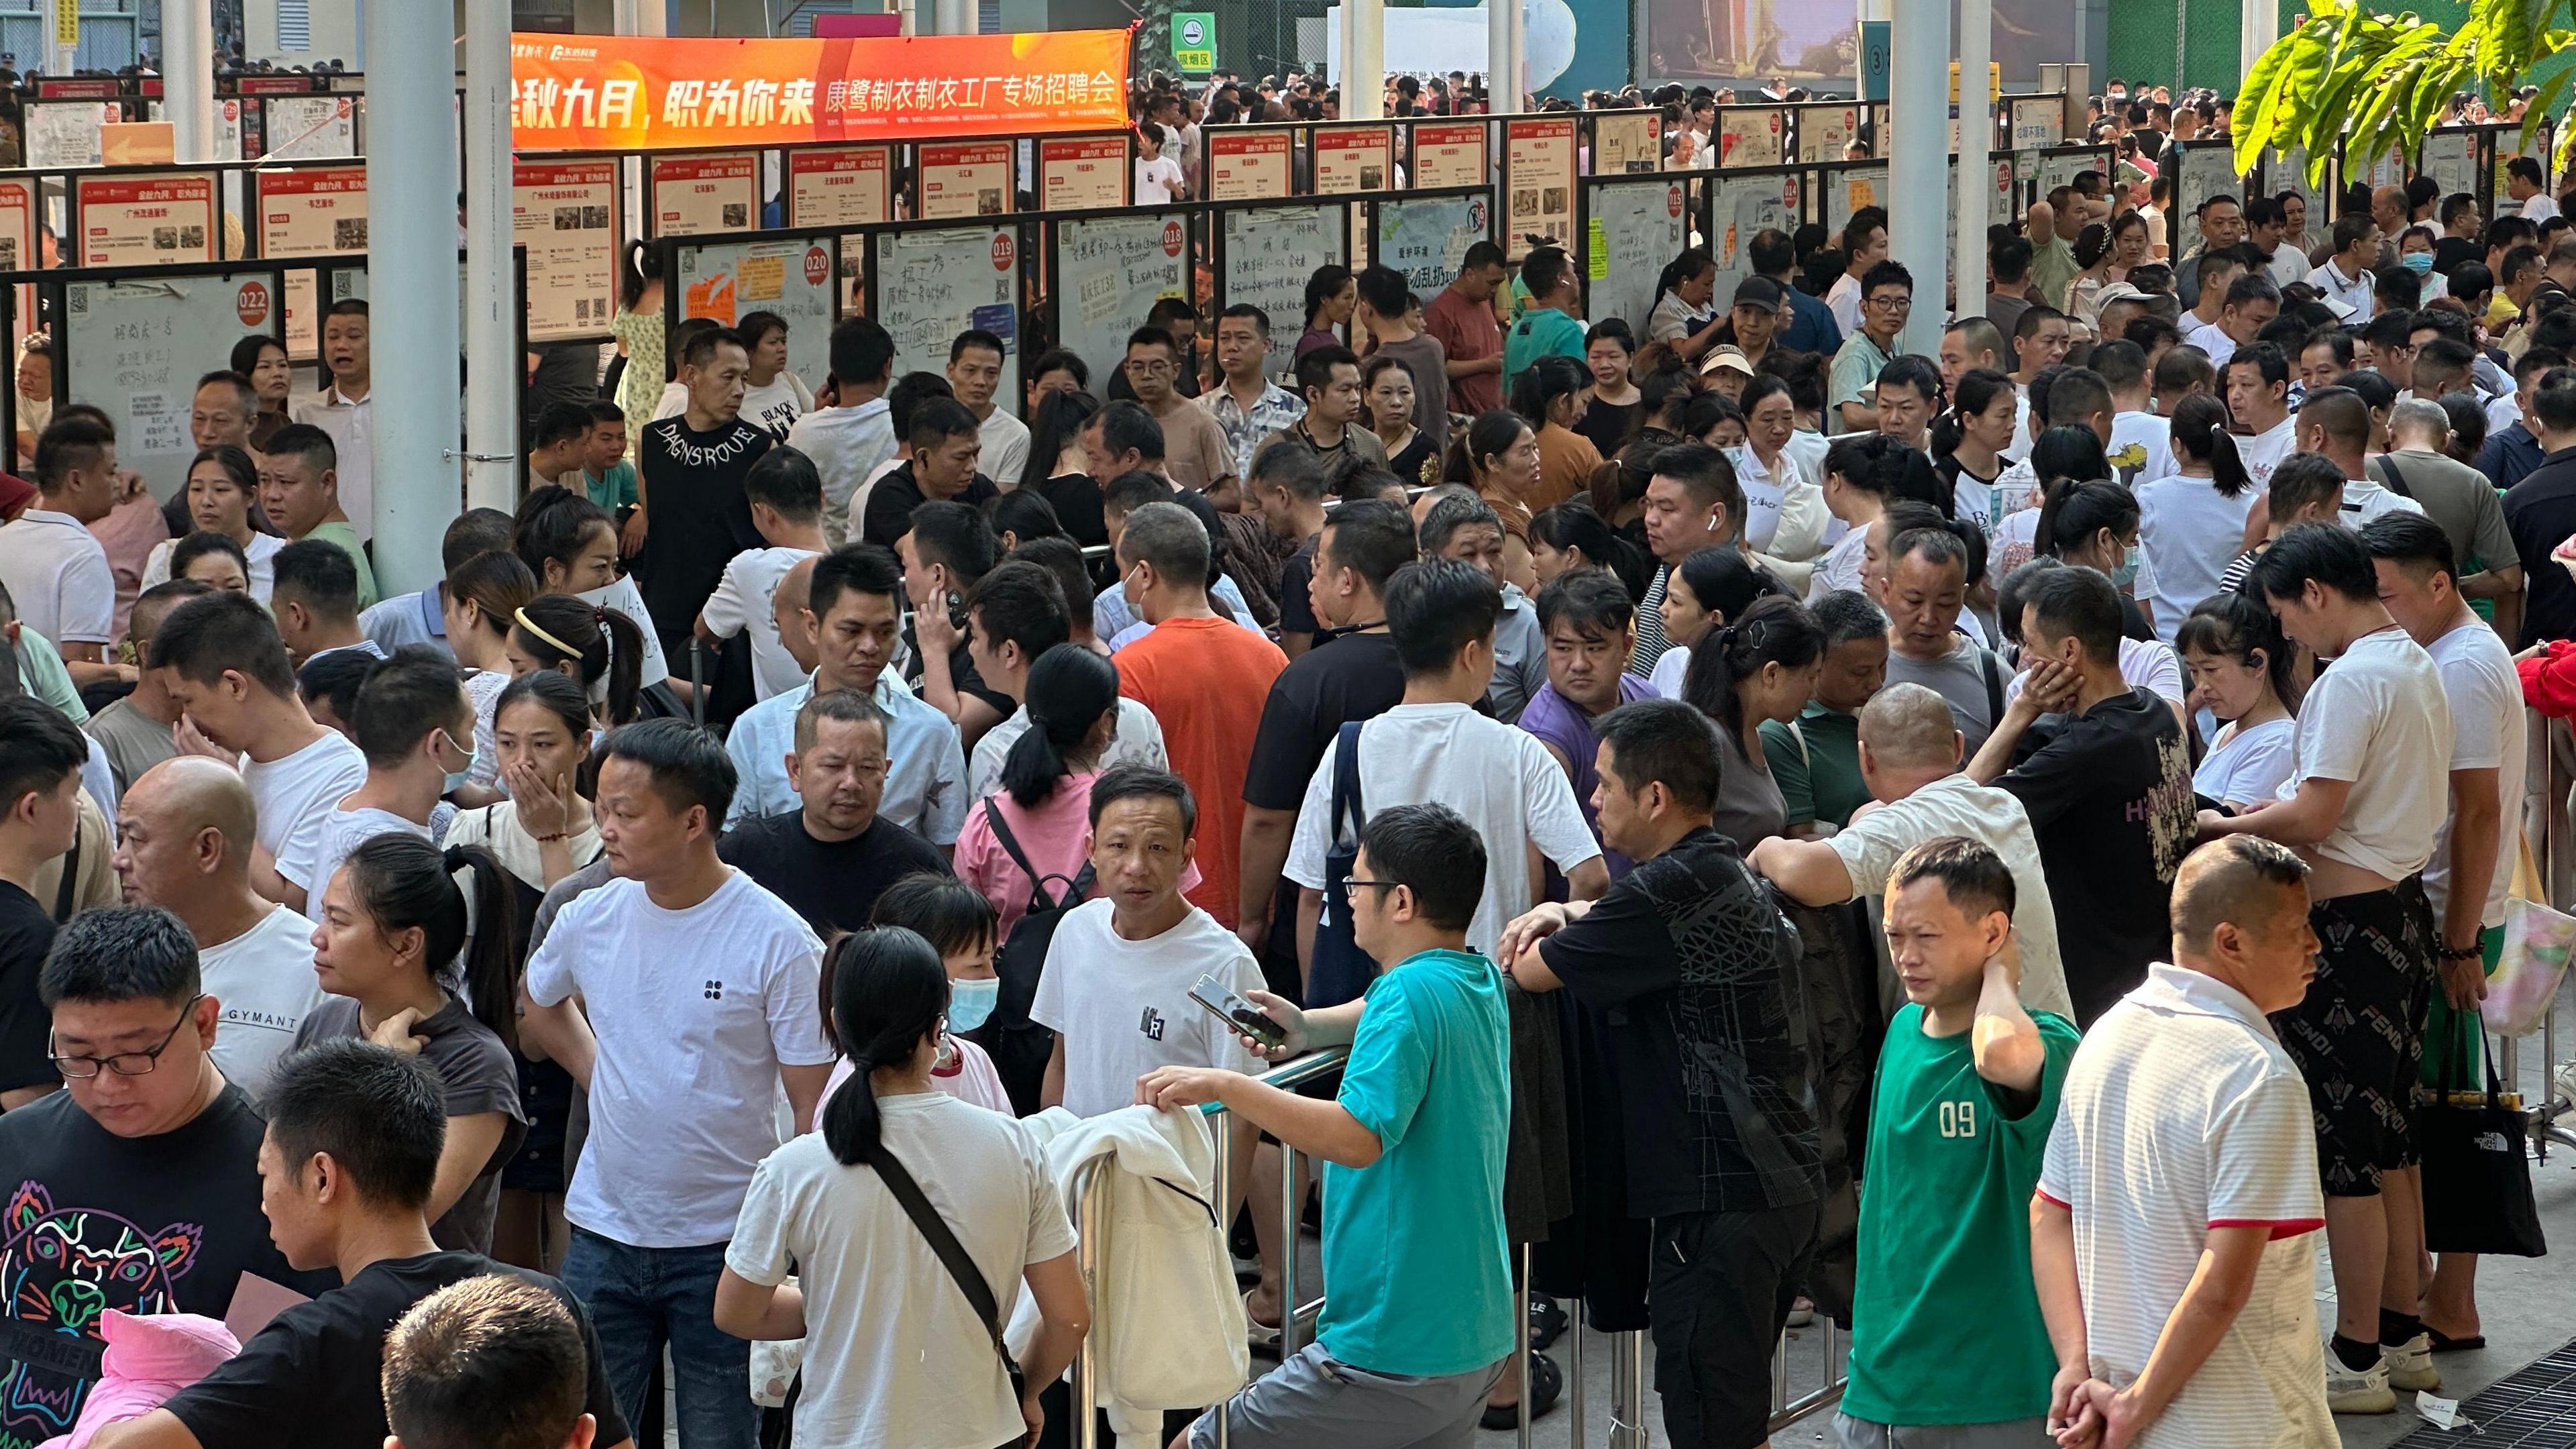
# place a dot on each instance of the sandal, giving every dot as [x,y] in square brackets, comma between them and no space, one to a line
[1261,1335]
[1547,1321]
[2444,1343]
[1547,1381]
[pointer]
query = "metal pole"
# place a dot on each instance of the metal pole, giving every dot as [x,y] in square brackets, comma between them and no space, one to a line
[1976,151]
[1089,1204]
[1575,1331]
[1628,1390]
[491,294]
[188,78]
[640,17]
[1221,1122]
[1292,1210]
[411,262]
[1521,1346]
[1918,172]
[1503,55]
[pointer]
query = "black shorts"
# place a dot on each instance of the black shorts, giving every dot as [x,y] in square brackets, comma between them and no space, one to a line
[2358,1035]
[1717,1296]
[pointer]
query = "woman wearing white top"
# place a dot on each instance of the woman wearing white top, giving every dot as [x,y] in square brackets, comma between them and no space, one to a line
[1968,442]
[895,1353]
[2122,246]
[223,489]
[2240,668]
[1784,509]
[2191,524]
[1684,317]
[1712,586]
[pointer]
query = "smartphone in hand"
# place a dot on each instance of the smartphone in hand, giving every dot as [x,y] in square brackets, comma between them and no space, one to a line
[1239,1014]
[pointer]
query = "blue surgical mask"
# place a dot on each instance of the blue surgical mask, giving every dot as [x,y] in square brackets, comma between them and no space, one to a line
[458,779]
[2417,262]
[2128,569]
[971,1002]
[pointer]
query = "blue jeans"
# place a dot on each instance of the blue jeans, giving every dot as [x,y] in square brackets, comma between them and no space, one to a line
[641,1299]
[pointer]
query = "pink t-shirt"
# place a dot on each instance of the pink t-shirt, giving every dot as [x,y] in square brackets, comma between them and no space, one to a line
[1056,837]
[970,1078]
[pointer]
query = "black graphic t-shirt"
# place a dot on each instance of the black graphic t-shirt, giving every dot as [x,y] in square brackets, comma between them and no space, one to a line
[2109,796]
[700,517]
[91,1221]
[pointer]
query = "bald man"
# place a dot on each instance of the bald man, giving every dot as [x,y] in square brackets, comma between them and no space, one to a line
[787,611]
[1909,758]
[185,833]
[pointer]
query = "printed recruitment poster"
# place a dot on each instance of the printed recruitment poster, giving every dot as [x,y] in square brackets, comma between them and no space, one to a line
[17,228]
[125,220]
[1626,141]
[312,211]
[694,195]
[1749,137]
[1354,158]
[1078,173]
[565,214]
[837,186]
[961,181]
[1538,182]
[1251,166]
[1449,155]
[655,93]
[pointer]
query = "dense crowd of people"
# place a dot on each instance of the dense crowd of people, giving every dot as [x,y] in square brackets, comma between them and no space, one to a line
[1781,823]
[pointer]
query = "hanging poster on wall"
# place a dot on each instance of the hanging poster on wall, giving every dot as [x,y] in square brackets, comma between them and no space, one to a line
[1450,154]
[2039,122]
[147,220]
[313,210]
[1353,158]
[301,128]
[838,186]
[1427,238]
[1635,228]
[17,228]
[932,285]
[2451,159]
[694,195]
[1746,207]
[1823,131]
[1248,166]
[967,180]
[1538,182]
[1083,173]
[1110,271]
[565,214]
[66,133]
[1626,143]
[1848,190]
[1749,137]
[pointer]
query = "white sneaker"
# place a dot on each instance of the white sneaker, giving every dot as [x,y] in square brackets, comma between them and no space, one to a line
[2358,1391]
[2565,1081]
[2410,1365]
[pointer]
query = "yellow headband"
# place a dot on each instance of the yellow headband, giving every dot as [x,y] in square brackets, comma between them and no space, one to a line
[541,636]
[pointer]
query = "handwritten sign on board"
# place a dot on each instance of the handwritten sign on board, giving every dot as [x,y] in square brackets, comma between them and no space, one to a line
[137,349]
[1272,250]
[1117,268]
[1851,188]
[1427,239]
[929,286]
[1637,228]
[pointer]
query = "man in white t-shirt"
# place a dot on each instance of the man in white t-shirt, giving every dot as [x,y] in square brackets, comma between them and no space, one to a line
[347,411]
[786,496]
[1434,747]
[849,439]
[2335,422]
[53,567]
[1018,615]
[2170,1233]
[221,659]
[1116,986]
[2251,304]
[415,726]
[2366,803]
[184,834]
[1910,754]
[2256,387]
[699,992]
[2466,882]
[975,373]
[2524,183]
[2141,442]
[1158,177]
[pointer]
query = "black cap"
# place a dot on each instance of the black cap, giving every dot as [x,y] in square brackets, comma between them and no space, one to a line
[1760,292]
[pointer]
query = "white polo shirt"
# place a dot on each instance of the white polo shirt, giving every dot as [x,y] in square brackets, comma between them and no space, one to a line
[2354,292]
[57,574]
[2182,1113]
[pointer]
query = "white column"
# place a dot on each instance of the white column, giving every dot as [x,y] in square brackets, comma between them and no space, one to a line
[640,17]
[491,274]
[2260,28]
[1976,137]
[1918,106]
[412,287]
[956,17]
[187,63]
[1360,70]
[1504,56]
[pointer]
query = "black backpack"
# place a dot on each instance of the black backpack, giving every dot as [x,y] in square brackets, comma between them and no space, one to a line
[1019,1046]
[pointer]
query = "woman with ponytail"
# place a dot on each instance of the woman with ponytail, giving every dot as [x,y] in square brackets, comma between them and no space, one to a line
[2191,524]
[1762,665]
[880,1308]
[2093,523]
[1685,315]
[570,545]
[2241,671]
[599,648]
[391,949]
[1968,441]
[1572,536]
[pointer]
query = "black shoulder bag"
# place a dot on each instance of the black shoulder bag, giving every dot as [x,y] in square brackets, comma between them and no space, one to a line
[952,1254]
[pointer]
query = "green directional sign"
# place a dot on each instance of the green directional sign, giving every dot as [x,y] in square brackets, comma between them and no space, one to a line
[1194,41]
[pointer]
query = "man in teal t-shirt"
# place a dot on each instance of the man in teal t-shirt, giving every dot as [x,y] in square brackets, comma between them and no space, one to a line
[1419,1322]
[1549,327]
[1966,1094]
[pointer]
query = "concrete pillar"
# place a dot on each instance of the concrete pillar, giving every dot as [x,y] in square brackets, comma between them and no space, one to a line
[1976,164]
[1360,70]
[641,17]
[1506,54]
[412,287]
[187,63]
[492,308]
[1918,96]
[2259,28]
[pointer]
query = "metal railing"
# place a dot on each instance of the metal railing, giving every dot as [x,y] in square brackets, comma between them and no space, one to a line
[1628,1426]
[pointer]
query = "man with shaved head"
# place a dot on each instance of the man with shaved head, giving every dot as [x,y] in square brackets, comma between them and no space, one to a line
[185,833]
[1910,750]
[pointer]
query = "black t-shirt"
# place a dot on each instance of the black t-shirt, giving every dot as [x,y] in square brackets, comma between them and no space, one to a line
[2109,796]
[700,516]
[2450,251]
[95,1221]
[891,501]
[1419,464]
[1690,965]
[1296,608]
[1608,425]
[1076,500]
[1355,676]
[313,1378]
[833,885]
[963,676]
[26,933]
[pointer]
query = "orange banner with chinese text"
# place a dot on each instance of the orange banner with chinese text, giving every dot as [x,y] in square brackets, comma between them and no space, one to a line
[647,93]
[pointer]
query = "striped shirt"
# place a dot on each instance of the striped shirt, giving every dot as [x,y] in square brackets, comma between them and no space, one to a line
[2182,1113]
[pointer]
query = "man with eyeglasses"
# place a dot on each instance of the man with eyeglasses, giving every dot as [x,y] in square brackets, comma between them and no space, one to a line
[137,1189]
[1851,387]
[1195,451]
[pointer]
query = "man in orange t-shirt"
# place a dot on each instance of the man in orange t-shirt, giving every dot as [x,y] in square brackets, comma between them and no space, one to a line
[1205,678]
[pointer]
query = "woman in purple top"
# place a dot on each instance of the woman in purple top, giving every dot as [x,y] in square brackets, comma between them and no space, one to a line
[1588,621]
[1332,296]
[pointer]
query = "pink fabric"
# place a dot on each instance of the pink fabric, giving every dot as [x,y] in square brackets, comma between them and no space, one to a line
[149,1358]
[970,1078]
[128,533]
[1056,837]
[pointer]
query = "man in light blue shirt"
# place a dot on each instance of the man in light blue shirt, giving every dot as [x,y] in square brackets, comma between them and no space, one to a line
[421,618]
[851,607]
[1419,1323]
